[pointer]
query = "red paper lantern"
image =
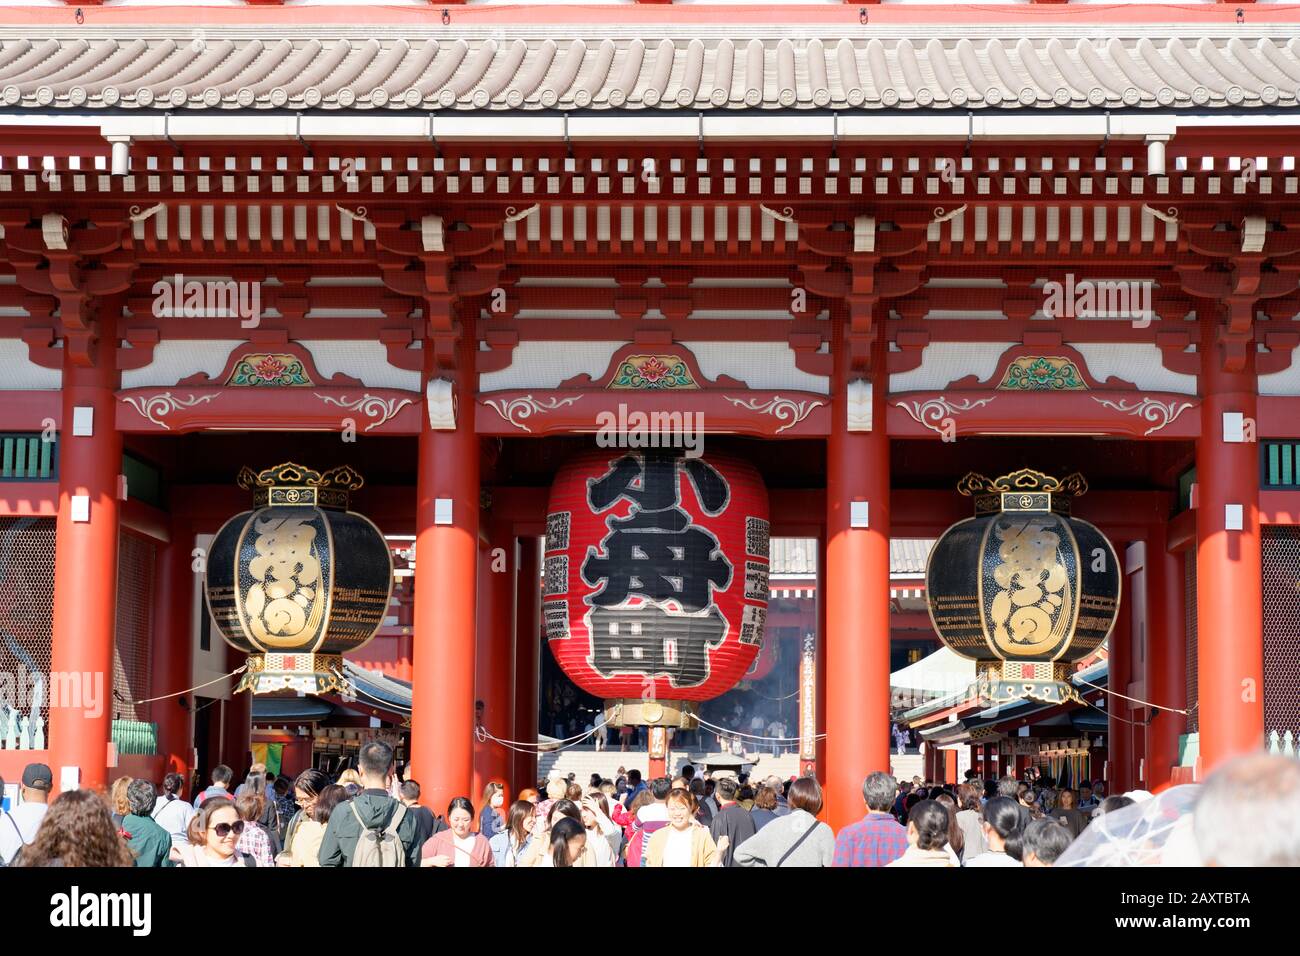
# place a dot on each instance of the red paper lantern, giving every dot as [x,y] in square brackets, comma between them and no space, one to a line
[656,572]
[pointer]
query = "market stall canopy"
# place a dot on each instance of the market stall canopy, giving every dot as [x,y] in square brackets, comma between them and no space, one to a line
[939,674]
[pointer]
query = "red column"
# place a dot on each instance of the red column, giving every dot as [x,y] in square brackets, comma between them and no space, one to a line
[1119,733]
[1229,592]
[1166,661]
[528,644]
[495,665]
[85,565]
[446,563]
[173,649]
[237,721]
[857,602]
[821,657]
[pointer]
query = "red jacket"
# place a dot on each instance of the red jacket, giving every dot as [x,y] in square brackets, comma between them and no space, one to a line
[443,843]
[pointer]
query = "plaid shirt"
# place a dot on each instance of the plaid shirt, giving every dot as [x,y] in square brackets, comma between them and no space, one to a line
[875,840]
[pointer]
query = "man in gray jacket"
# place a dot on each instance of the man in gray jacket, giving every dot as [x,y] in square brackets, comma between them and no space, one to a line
[375,807]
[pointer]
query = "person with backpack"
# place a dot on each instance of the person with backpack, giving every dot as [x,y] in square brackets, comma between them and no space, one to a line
[373,829]
[457,846]
[18,827]
[171,812]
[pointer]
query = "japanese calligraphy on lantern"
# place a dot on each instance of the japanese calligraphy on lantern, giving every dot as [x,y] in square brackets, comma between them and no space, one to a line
[656,567]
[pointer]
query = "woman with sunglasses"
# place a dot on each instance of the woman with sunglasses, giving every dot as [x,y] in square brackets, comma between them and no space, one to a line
[214,833]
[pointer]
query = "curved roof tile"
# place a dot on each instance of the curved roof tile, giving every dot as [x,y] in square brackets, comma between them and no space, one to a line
[1146,68]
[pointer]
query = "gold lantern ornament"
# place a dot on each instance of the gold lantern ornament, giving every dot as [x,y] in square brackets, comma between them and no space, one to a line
[300,580]
[1023,588]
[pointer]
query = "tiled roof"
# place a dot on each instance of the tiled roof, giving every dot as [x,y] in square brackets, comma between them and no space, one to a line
[606,68]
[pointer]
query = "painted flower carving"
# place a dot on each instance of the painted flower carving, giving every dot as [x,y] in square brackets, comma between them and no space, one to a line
[269,369]
[653,369]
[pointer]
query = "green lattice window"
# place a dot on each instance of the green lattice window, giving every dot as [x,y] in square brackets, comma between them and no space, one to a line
[1280,464]
[25,457]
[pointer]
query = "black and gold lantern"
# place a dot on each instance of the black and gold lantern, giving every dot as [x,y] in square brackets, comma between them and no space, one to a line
[299,581]
[1023,588]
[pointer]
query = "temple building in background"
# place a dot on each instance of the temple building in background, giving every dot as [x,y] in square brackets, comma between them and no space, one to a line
[873,248]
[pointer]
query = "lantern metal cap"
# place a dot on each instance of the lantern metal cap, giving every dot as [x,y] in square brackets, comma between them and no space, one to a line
[289,483]
[1023,490]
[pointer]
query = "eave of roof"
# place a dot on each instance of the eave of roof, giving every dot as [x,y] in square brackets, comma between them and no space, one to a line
[734,67]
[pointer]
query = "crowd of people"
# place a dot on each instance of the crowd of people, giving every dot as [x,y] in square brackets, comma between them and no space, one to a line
[1243,815]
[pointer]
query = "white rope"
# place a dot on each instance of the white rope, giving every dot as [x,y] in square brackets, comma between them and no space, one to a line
[538,743]
[736,733]
[150,700]
[1144,703]
[482,734]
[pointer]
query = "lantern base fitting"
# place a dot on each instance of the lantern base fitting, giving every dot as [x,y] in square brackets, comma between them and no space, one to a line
[635,712]
[1007,681]
[305,672]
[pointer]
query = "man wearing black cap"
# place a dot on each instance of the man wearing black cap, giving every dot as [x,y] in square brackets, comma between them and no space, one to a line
[18,827]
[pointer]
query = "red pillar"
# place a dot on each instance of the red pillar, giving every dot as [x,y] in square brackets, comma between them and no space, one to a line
[446,556]
[494,678]
[237,721]
[173,649]
[528,644]
[1119,733]
[1229,591]
[821,658]
[857,601]
[1166,658]
[85,564]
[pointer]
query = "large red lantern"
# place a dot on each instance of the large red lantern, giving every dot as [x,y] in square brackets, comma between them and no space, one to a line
[656,572]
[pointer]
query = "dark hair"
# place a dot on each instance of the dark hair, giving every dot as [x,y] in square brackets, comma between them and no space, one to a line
[410,790]
[806,794]
[930,818]
[1046,840]
[726,788]
[330,796]
[197,831]
[659,788]
[77,830]
[697,787]
[281,786]
[519,811]
[222,774]
[460,803]
[173,783]
[311,781]
[375,758]
[566,807]
[1002,814]
[1117,802]
[140,796]
[956,839]
[634,776]
[688,771]
[250,805]
[746,792]
[564,831]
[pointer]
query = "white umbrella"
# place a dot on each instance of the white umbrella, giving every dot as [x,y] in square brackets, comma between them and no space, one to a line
[1153,832]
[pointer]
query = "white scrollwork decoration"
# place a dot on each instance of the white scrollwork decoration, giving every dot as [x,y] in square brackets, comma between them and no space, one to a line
[1149,410]
[372,406]
[156,407]
[782,409]
[517,410]
[933,412]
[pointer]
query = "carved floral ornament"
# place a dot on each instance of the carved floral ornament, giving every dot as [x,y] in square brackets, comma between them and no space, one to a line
[1039,373]
[653,372]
